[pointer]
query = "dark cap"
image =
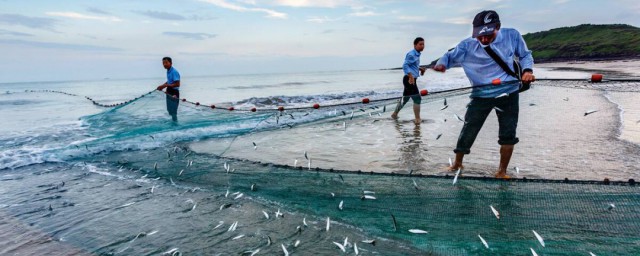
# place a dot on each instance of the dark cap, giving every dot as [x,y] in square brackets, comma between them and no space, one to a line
[485,23]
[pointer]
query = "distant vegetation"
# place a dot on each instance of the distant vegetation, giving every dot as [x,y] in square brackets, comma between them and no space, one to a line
[585,42]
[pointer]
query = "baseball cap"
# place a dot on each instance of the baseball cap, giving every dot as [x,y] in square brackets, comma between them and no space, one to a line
[485,23]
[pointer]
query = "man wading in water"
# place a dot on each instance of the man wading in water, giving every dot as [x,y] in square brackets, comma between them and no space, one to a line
[173,88]
[502,94]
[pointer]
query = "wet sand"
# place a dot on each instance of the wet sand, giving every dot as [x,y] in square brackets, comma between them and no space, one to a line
[557,140]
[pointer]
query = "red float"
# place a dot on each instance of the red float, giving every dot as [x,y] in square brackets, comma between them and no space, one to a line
[365,100]
[213,106]
[197,103]
[253,109]
[183,100]
[496,81]
[231,108]
[281,108]
[596,78]
[424,92]
[316,106]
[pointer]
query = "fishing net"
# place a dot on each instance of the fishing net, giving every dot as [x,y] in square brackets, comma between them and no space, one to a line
[305,160]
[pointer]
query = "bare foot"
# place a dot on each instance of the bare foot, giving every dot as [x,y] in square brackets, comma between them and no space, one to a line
[394,115]
[502,175]
[418,121]
[455,167]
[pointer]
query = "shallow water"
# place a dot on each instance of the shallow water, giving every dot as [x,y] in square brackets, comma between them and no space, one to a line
[80,179]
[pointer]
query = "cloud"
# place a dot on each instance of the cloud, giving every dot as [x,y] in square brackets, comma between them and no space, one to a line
[13,33]
[320,20]
[30,22]
[226,5]
[412,18]
[48,45]
[194,36]
[161,15]
[316,3]
[363,14]
[80,16]
[97,11]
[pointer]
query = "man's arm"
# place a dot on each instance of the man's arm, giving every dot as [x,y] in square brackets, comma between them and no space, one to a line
[526,59]
[453,57]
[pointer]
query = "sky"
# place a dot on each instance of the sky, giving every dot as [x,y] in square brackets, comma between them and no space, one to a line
[121,39]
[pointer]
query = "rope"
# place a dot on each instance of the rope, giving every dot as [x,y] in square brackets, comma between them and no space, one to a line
[584,84]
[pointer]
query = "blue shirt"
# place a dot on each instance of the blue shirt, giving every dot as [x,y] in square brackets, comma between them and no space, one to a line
[412,63]
[173,76]
[481,69]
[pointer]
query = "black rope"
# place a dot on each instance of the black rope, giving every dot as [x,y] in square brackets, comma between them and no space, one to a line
[455,90]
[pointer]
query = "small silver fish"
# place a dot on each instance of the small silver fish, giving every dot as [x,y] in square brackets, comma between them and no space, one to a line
[286,253]
[155,166]
[226,194]
[372,241]
[415,185]
[495,212]
[458,117]
[220,223]
[296,243]
[340,246]
[152,188]
[590,112]
[538,237]
[351,118]
[611,206]
[517,169]
[253,187]
[279,213]
[438,137]
[266,215]
[498,109]
[238,196]
[295,162]
[533,252]
[333,194]
[305,155]
[309,164]
[455,179]
[346,242]
[255,147]
[418,231]
[237,237]
[344,125]
[592,254]
[355,249]
[366,192]
[445,107]
[180,172]
[341,205]
[304,221]
[328,224]
[484,242]
[450,162]
[368,197]
[502,95]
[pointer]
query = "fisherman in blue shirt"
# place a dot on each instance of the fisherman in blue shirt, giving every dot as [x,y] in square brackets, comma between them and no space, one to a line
[412,71]
[502,92]
[173,88]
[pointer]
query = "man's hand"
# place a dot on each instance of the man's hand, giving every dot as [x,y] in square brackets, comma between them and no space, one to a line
[162,86]
[528,77]
[422,70]
[411,79]
[439,68]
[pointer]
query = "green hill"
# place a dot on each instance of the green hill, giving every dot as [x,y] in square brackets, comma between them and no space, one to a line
[585,42]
